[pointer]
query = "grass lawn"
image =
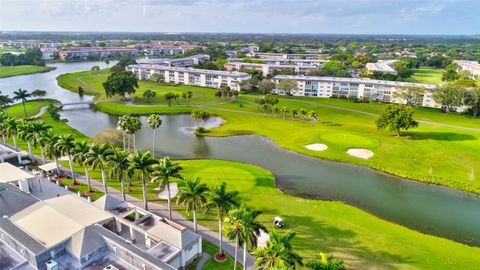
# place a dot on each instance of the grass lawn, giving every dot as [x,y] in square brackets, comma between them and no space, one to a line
[426,75]
[22,70]
[361,239]
[446,153]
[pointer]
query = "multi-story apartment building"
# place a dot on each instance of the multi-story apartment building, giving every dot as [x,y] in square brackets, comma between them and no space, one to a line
[267,68]
[296,62]
[85,53]
[49,53]
[176,62]
[287,55]
[191,76]
[472,66]
[168,50]
[377,90]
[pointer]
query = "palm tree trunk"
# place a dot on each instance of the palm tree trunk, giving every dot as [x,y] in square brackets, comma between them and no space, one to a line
[4,139]
[245,250]
[15,141]
[88,179]
[134,144]
[123,137]
[71,167]
[104,180]
[144,187]
[6,111]
[58,166]
[153,144]
[195,217]
[169,201]
[24,108]
[220,236]
[236,251]
[43,154]
[30,150]
[123,186]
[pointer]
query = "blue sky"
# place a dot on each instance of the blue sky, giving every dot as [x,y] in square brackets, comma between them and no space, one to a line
[262,16]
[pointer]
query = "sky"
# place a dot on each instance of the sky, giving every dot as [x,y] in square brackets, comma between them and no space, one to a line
[434,17]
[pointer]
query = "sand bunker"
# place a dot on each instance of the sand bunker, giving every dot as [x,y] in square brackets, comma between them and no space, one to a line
[316,147]
[360,153]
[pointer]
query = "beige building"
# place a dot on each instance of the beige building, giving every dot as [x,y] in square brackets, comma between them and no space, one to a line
[472,66]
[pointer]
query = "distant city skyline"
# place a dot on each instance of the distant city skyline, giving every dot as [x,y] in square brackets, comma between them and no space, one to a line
[429,17]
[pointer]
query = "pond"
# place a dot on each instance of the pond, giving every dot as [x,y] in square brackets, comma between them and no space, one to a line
[427,208]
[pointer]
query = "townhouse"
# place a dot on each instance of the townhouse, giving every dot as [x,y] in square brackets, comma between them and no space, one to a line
[86,53]
[176,62]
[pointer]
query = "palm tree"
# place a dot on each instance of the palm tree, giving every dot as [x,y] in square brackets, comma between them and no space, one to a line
[66,145]
[97,157]
[251,228]
[22,95]
[39,128]
[3,127]
[119,165]
[193,195]
[133,125]
[223,201]
[233,230]
[80,155]
[162,172]
[25,132]
[11,128]
[326,263]
[284,111]
[142,162]
[313,115]
[278,253]
[51,149]
[303,113]
[5,100]
[123,125]
[154,121]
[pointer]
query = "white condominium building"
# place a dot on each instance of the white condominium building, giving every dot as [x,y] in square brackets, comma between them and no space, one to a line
[296,62]
[472,66]
[191,76]
[267,68]
[287,55]
[378,90]
[176,62]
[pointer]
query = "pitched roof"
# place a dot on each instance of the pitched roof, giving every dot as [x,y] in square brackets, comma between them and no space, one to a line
[85,242]
[11,173]
[13,200]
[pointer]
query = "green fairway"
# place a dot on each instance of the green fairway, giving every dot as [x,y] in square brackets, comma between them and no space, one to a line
[361,239]
[22,70]
[426,75]
[445,152]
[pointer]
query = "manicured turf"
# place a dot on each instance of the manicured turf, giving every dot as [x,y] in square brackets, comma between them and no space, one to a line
[362,240]
[426,75]
[434,153]
[22,70]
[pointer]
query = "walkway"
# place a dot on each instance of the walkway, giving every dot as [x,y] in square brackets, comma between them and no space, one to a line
[41,112]
[203,259]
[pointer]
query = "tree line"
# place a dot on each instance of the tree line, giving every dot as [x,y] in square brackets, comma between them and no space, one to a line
[31,57]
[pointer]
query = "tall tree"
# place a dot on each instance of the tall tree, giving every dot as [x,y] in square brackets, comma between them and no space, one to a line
[251,228]
[120,83]
[154,121]
[98,158]
[5,101]
[193,194]
[39,128]
[119,165]
[22,95]
[396,117]
[413,96]
[51,149]
[25,132]
[11,128]
[287,85]
[449,96]
[143,164]
[233,230]
[66,145]
[278,253]
[80,155]
[162,173]
[472,100]
[222,200]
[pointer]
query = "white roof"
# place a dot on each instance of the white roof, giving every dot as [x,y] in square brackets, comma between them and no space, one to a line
[48,167]
[57,219]
[10,173]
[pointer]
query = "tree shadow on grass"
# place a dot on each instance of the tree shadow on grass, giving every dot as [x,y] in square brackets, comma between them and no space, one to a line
[439,136]
[331,124]
[329,239]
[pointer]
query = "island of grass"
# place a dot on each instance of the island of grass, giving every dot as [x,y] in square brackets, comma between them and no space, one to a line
[444,150]
[361,239]
[22,70]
